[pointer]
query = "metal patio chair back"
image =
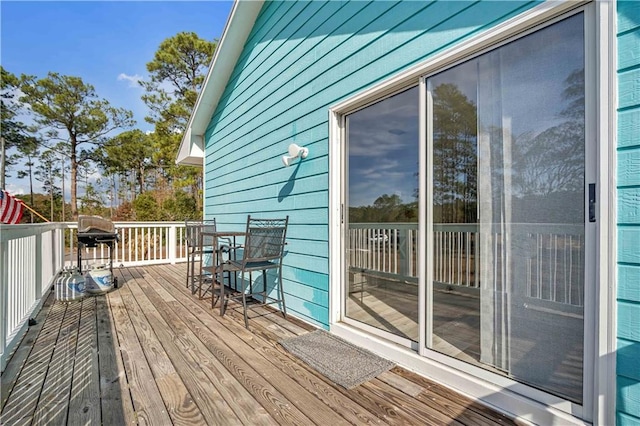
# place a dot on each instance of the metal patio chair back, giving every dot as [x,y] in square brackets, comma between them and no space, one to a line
[263,250]
[198,246]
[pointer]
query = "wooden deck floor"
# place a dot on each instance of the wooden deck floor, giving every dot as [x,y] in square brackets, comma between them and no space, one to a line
[151,353]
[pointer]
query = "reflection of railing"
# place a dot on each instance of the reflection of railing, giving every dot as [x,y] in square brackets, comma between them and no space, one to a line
[384,247]
[546,260]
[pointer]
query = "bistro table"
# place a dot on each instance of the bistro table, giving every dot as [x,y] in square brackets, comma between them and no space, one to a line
[217,261]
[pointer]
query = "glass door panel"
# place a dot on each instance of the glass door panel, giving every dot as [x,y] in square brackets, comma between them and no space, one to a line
[508,185]
[382,219]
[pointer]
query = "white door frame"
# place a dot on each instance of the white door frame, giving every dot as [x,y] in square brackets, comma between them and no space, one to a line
[500,392]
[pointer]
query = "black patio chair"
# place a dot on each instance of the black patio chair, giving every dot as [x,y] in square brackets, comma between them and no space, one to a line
[198,246]
[263,250]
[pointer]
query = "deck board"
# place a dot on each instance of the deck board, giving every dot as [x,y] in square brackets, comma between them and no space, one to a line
[177,398]
[19,358]
[149,352]
[84,407]
[53,403]
[147,401]
[115,396]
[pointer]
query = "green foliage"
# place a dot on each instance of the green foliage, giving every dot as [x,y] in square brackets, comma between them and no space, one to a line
[182,206]
[128,153]
[75,123]
[386,208]
[12,132]
[177,73]
[146,208]
[67,105]
[455,177]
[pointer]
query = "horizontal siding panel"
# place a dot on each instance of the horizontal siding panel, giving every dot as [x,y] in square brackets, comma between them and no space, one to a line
[299,42]
[279,193]
[304,276]
[307,232]
[266,27]
[628,243]
[309,311]
[627,358]
[629,321]
[629,206]
[353,16]
[253,177]
[628,12]
[629,49]
[342,59]
[299,217]
[225,152]
[305,292]
[623,419]
[628,354]
[629,128]
[295,186]
[629,283]
[312,263]
[261,44]
[228,153]
[628,396]
[318,248]
[629,167]
[268,157]
[629,88]
[301,202]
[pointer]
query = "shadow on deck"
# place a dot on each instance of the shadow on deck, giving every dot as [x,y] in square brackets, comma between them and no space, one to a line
[151,353]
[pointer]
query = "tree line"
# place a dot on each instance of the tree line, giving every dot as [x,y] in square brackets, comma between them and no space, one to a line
[76,137]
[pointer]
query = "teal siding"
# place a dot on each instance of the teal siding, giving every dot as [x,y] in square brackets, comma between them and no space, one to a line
[301,58]
[628,351]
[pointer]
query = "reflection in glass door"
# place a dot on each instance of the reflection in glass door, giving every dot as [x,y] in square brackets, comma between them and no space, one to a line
[508,183]
[382,222]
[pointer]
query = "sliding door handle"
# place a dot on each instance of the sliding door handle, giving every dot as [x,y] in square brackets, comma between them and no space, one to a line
[592,202]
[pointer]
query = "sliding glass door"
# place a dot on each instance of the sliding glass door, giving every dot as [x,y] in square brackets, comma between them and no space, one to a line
[502,230]
[382,218]
[508,186]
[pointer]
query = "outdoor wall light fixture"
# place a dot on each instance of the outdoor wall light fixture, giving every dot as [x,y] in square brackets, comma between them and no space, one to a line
[295,151]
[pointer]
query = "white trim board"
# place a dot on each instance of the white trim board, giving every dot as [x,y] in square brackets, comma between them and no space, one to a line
[236,31]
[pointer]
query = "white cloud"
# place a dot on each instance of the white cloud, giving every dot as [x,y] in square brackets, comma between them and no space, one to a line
[15,189]
[132,79]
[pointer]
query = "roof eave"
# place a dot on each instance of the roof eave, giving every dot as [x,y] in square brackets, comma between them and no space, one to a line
[237,29]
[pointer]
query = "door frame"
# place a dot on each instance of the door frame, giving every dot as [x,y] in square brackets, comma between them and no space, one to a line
[500,392]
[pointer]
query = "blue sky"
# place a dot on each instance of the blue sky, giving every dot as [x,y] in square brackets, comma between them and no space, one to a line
[107,44]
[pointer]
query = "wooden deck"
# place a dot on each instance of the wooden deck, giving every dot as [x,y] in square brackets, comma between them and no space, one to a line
[151,353]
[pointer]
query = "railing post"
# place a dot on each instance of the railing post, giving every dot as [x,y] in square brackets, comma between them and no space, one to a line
[38,277]
[404,243]
[172,243]
[4,295]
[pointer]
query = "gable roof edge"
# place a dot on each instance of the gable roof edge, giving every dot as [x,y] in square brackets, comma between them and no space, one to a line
[236,32]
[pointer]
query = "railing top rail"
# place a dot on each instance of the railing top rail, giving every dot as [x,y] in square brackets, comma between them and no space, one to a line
[384,225]
[514,228]
[13,232]
[129,224]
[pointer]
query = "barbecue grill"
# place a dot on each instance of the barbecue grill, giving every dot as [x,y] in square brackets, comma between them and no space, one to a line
[94,230]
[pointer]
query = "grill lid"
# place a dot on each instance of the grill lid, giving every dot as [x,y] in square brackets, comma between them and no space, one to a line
[95,224]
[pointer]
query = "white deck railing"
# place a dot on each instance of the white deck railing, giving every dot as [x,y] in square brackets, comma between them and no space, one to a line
[548,258]
[140,243]
[31,256]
